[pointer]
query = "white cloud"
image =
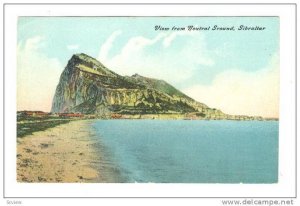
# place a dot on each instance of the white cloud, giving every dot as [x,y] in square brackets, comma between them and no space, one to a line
[108,45]
[37,76]
[196,52]
[171,37]
[73,47]
[238,92]
[137,44]
[154,57]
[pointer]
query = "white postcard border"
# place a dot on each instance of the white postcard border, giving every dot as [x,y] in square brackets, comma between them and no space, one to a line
[287,174]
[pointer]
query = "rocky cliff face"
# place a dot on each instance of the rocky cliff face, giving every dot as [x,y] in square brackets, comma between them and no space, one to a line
[88,87]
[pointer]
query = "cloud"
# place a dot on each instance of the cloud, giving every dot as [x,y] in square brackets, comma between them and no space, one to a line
[171,37]
[196,51]
[238,92]
[136,45]
[37,75]
[73,47]
[165,56]
[108,45]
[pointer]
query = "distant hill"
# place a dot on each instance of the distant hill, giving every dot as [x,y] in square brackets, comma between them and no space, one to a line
[88,87]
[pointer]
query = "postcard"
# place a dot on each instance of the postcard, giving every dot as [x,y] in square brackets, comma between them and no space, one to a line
[155,100]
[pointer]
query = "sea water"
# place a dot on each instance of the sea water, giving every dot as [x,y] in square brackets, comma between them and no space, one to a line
[181,151]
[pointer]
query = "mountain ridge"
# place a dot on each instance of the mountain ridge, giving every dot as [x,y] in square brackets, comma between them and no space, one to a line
[87,86]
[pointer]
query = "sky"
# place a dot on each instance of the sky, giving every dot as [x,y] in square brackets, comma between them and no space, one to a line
[236,71]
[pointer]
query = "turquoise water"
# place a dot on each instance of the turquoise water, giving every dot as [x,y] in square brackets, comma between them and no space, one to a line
[191,151]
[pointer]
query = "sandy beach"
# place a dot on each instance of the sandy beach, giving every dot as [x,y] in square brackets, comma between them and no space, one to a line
[65,153]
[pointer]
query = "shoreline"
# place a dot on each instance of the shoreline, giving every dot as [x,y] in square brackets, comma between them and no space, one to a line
[65,153]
